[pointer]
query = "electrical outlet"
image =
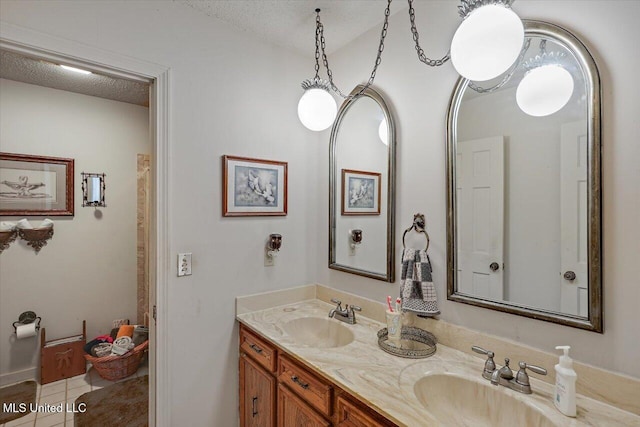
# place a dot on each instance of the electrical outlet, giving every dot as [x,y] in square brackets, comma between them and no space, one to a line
[269,261]
[352,247]
[184,264]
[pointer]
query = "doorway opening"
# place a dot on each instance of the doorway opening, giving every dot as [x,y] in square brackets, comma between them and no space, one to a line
[153,254]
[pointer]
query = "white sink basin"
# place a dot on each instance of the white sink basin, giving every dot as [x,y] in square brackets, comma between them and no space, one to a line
[318,332]
[457,401]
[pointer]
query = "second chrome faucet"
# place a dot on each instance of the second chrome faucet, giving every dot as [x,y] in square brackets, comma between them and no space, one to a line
[347,315]
[504,376]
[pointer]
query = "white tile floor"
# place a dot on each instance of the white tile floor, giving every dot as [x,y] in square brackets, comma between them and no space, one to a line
[68,391]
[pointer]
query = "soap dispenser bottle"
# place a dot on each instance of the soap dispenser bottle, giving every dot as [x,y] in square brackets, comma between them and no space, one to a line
[565,396]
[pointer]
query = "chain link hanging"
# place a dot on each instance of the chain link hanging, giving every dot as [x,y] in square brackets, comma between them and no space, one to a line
[321,40]
[421,56]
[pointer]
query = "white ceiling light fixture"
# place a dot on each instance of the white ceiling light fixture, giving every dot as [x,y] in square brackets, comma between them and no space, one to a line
[547,86]
[488,41]
[75,70]
[317,108]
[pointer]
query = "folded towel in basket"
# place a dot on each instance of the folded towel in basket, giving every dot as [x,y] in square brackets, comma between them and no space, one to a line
[416,287]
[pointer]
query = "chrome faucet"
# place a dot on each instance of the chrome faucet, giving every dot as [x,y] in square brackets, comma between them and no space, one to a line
[504,376]
[347,315]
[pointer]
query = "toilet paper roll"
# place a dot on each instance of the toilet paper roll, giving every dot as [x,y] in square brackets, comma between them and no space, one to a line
[26,331]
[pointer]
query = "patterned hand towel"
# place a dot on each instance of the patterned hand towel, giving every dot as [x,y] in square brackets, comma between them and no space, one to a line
[416,288]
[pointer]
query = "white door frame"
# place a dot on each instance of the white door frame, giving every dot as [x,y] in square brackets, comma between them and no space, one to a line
[33,43]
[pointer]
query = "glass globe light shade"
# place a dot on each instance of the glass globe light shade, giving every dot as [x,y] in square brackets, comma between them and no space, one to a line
[544,90]
[317,109]
[487,42]
[383,132]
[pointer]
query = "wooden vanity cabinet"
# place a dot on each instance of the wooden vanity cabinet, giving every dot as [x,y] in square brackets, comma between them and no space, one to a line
[257,381]
[279,391]
[257,395]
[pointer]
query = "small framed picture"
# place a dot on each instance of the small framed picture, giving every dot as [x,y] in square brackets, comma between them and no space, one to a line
[35,185]
[360,192]
[254,187]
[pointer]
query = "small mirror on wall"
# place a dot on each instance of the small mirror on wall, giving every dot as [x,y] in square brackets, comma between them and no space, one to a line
[93,188]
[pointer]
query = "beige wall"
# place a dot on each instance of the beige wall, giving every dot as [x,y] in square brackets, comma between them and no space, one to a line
[88,269]
[231,93]
[420,96]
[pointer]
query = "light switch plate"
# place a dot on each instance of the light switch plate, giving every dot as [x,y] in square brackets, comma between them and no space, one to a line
[184,264]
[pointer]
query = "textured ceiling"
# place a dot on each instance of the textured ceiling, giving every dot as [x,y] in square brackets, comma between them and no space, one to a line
[42,73]
[291,23]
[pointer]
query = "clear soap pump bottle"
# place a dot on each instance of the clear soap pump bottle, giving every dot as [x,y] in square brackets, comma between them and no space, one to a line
[565,397]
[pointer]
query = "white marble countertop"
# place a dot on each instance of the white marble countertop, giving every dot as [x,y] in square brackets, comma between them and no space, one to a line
[386,382]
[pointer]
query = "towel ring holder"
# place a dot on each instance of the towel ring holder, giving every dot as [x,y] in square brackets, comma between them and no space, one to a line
[419,223]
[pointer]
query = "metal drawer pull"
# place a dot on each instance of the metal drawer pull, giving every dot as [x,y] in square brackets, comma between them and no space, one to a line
[256,348]
[254,411]
[295,379]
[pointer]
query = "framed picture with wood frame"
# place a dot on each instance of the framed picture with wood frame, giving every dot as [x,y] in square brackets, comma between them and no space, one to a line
[360,192]
[35,185]
[253,187]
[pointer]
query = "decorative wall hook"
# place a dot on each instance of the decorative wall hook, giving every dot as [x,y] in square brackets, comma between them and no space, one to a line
[273,245]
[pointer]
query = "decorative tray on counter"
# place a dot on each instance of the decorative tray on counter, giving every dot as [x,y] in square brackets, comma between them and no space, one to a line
[414,343]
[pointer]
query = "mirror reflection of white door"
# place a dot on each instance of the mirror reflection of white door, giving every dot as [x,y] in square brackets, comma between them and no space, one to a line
[574,294]
[480,201]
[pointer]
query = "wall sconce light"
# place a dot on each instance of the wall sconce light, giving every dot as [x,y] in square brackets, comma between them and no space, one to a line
[93,188]
[272,248]
[356,237]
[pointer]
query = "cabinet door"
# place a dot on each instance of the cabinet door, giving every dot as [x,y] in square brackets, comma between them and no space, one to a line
[353,415]
[257,395]
[293,412]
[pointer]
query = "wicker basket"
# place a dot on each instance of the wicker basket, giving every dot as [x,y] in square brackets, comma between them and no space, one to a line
[115,368]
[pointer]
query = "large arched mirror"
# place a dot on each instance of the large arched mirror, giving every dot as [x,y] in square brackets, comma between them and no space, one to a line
[361,187]
[524,193]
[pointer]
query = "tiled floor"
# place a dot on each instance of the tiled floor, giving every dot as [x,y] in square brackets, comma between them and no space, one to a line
[65,391]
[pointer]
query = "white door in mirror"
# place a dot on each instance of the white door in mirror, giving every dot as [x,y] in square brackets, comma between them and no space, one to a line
[480,200]
[573,211]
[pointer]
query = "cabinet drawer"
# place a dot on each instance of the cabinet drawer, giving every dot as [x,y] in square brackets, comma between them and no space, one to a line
[314,390]
[352,415]
[293,412]
[262,352]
